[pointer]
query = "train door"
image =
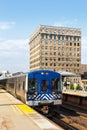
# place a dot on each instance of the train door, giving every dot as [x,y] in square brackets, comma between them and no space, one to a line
[45,85]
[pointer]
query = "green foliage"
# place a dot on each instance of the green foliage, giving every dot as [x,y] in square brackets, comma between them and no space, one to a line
[72,86]
[78,87]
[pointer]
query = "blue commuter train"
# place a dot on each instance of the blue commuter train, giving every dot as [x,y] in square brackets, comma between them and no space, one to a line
[37,88]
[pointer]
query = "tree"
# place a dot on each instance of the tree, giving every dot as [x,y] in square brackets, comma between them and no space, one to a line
[78,87]
[72,86]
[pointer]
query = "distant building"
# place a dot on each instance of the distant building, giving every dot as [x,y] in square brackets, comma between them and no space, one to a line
[56,48]
[83,68]
[84,80]
[4,74]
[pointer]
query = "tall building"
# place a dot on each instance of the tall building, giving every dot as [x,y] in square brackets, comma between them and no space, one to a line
[55,48]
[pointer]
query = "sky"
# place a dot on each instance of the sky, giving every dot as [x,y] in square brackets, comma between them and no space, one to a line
[20,18]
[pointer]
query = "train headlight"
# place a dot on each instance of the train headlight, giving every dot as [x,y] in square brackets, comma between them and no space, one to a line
[34,95]
[53,93]
[29,97]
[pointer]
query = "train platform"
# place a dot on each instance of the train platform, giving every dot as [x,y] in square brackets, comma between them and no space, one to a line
[15,115]
[76,93]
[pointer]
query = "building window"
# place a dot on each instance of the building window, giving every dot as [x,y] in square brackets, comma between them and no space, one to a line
[47,36]
[42,58]
[58,59]
[46,53]
[66,38]
[58,37]
[59,53]
[62,37]
[70,43]
[62,53]
[74,49]
[54,42]
[70,49]
[59,42]
[50,64]
[78,60]
[50,59]
[50,36]
[50,42]
[42,64]
[54,53]
[78,54]
[66,43]
[74,44]
[46,64]
[77,38]
[58,48]
[42,35]
[70,54]
[42,47]
[43,42]
[50,47]
[74,38]
[46,47]
[54,48]
[42,53]
[66,59]
[46,42]
[70,38]
[77,44]
[54,36]
[46,58]
[62,43]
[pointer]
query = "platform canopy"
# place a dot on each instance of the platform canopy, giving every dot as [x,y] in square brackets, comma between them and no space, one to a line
[65,73]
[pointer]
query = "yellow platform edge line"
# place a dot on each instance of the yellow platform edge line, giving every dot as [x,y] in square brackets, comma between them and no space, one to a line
[16,109]
[26,109]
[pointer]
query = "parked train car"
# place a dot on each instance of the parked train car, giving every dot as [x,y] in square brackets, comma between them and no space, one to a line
[38,88]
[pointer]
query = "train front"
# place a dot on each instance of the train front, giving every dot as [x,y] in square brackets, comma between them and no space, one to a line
[44,89]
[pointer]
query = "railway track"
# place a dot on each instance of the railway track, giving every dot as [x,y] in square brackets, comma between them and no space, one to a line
[68,118]
[71,119]
[78,109]
[57,119]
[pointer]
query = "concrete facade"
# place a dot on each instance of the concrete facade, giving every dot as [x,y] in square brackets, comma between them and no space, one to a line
[55,48]
[83,68]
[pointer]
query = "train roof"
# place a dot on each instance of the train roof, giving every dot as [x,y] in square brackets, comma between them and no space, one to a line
[33,73]
[45,73]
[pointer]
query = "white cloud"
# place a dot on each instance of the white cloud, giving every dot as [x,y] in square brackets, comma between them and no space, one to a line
[6,25]
[14,55]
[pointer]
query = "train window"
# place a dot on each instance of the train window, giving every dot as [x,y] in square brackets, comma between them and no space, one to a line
[11,85]
[44,85]
[56,86]
[32,85]
[23,85]
[19,86]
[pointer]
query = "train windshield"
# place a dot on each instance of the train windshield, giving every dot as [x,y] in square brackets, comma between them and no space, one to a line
[56,85]
[44,85]
[32,85]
